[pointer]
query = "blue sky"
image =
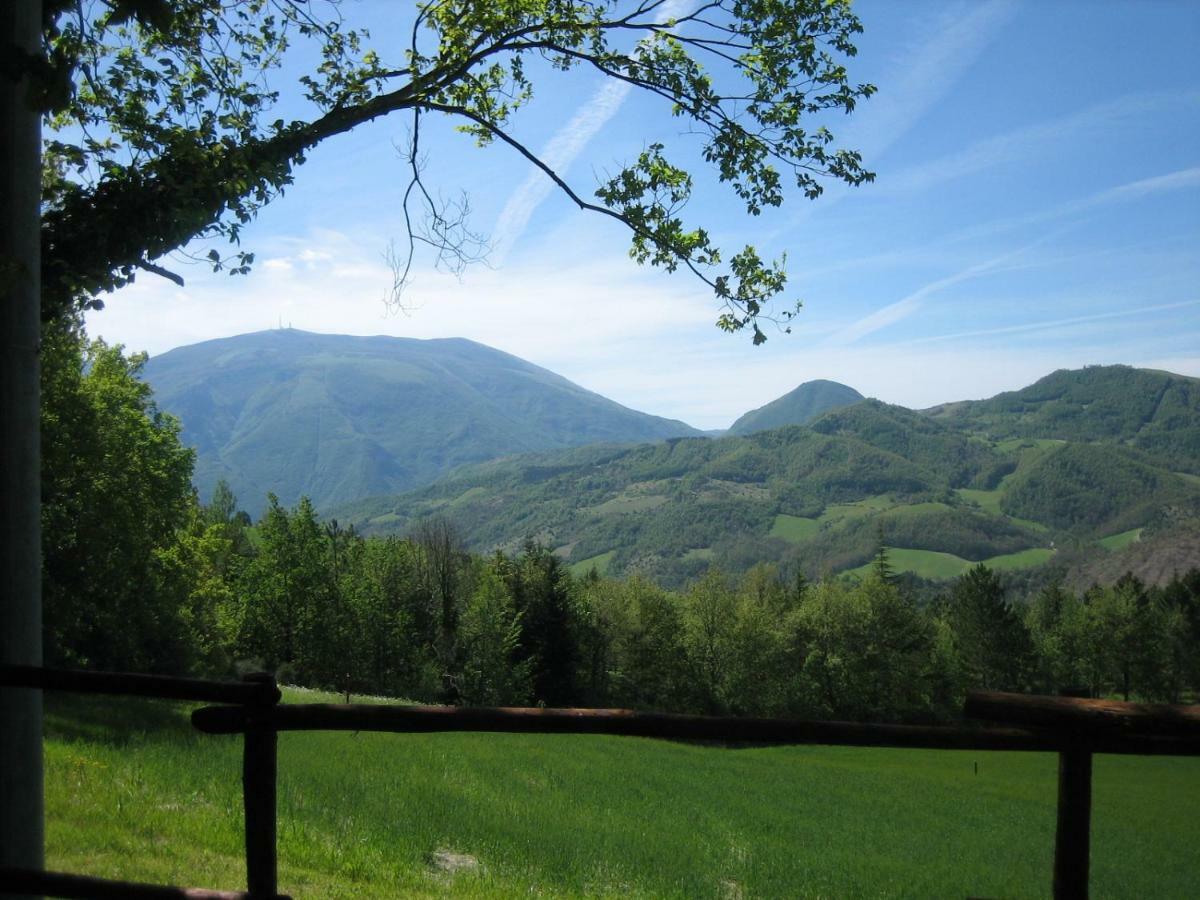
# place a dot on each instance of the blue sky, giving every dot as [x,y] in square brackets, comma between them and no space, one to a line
[1037,207]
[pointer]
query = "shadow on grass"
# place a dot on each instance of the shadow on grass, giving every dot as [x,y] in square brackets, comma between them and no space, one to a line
[115,720]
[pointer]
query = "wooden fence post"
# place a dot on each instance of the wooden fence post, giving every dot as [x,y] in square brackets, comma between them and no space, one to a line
[259,765]
[1072,840]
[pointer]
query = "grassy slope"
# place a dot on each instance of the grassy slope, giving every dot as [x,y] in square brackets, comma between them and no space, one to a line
[934,565]
[570,816]
[1120,541]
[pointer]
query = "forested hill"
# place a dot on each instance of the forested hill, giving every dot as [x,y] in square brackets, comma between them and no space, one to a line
[945,490]
[337,418]
[1157,412]
[798,407]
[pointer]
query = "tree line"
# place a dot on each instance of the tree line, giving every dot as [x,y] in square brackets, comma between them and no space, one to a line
[140,575]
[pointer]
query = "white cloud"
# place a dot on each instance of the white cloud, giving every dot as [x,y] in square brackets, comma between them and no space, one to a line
[597,302]
[644,339]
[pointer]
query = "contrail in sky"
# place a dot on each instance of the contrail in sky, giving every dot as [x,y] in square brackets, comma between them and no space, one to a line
[1183,179]
[906,306]
[1055,323]
[562,149]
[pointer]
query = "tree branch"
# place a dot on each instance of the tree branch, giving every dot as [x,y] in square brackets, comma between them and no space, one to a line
[159,271]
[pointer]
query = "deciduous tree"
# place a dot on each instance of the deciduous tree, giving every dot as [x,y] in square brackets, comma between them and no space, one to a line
[116,485]
[165,127]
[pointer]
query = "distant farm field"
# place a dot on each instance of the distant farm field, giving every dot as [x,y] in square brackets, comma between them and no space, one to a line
[1122,540]
[369,815]
[794,528]
[943,566]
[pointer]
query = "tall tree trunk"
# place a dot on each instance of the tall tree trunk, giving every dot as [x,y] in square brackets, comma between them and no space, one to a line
[21,822]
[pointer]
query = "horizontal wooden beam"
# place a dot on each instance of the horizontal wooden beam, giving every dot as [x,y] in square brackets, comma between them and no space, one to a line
[424,719]
[1084,716]
[85,887]
[135,685]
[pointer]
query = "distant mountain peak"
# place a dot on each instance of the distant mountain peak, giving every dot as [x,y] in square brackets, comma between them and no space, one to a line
[340,417]
[797,407]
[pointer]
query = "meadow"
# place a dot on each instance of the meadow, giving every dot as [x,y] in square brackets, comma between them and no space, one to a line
[133,792]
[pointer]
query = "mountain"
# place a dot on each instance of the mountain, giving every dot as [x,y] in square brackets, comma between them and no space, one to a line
[798,407]
[337,418]
[1156,412]
[961,459]
[943,494]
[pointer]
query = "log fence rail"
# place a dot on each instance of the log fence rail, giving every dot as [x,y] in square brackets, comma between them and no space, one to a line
[1075,728]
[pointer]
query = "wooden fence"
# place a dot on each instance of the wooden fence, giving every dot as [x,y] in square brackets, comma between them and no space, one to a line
[1074,728]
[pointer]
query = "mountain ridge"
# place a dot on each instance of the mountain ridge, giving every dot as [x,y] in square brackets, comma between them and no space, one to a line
[338,417]
[817,496]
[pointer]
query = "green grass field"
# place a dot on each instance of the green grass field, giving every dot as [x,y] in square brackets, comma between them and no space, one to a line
[988,501]
[839,512]
[1022,559]
[134,792]
[600,562]
[925,563]
[794,528]
[938,565]
[1122,540]
[629,503]
[1014,444]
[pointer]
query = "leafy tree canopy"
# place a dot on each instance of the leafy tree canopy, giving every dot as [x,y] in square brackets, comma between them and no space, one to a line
[164,128]
[116,485]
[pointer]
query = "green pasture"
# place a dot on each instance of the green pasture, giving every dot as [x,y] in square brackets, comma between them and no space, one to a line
[794,528]
[937,565]
[600,562]
[840,512]
[133,792]
[629,503]
[988,501]
[925,563]
[385,519]
[1122,540]
[1012,445]
[1022,559]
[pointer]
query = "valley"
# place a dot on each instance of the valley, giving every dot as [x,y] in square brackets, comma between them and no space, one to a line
[941,491]
[384,433]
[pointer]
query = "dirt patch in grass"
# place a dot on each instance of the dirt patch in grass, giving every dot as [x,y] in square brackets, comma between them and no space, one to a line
[450,863]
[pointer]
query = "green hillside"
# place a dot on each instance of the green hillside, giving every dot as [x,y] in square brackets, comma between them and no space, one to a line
[797,407]
[1158,412]
[961,458]
[670,510]
[1094,489]
[337,418]
[943,494]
